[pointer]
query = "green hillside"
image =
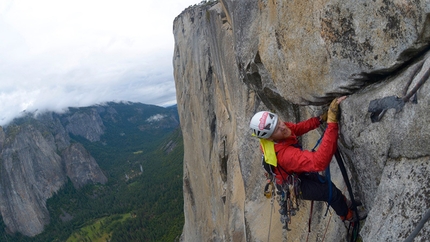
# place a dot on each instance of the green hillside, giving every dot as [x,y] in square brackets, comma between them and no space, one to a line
[142,200]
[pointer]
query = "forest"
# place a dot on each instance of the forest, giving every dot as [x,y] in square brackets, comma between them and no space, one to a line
[142,200]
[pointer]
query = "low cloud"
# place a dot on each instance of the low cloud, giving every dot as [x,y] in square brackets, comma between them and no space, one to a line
[155,118]
[59,54]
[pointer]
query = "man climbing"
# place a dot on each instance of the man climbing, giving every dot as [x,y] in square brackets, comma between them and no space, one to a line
[281,149]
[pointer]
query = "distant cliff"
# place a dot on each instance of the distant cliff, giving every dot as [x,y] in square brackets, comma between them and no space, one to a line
[38,156]
[233,58]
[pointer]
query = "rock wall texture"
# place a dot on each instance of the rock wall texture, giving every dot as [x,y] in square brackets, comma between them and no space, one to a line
[36,160]
[233,58]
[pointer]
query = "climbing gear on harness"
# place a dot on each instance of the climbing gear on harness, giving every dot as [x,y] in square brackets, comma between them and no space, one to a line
[263,124]
[287,196]
[269,189]
[287,193]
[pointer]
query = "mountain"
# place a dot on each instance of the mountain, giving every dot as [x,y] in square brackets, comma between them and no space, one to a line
[64,170]
[234,58]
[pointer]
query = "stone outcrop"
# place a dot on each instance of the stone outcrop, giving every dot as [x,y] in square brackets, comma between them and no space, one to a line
[81,167]
[31,171]
[233,58]
[37,158]
[86,124]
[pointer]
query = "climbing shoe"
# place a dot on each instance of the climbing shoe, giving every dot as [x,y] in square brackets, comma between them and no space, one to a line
[351,216]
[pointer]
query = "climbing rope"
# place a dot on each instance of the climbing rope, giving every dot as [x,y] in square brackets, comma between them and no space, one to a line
[270,221]
[356,224]
[270,193]
[310,216]
[310,220]
[420,225]
[326,227]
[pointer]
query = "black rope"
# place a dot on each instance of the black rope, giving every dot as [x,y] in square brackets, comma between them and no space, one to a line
[356,225]
[420,225]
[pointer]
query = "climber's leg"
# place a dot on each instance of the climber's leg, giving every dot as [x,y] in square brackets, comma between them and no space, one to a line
[313,189]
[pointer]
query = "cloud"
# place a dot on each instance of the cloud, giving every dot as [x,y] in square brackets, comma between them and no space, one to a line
[59,54]
[155,118]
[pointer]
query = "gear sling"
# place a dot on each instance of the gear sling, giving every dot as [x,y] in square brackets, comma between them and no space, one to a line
[288,193]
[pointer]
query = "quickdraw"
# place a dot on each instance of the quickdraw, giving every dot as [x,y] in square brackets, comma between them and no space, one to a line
[288,199]
[288,193]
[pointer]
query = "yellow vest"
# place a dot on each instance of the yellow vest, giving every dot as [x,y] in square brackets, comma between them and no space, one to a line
[269,152]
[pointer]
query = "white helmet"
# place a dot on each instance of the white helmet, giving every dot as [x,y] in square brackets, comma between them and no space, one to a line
[263,124]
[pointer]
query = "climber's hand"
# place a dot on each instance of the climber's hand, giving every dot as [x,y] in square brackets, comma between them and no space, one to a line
[333,110]
[340,99]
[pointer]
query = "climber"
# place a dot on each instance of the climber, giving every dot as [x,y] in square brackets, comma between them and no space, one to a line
[288,158]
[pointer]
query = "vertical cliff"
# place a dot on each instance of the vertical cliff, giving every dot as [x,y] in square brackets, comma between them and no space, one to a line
[233,58]
[37,158]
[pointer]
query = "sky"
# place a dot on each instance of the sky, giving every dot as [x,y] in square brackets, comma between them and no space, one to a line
[56,54]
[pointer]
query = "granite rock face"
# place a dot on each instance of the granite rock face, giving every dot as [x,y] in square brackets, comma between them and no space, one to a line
[233,58]
[36,160]
[81,167]
[31,172]
[86,124]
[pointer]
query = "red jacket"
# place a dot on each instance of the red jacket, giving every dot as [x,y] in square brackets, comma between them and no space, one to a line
[294,160]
